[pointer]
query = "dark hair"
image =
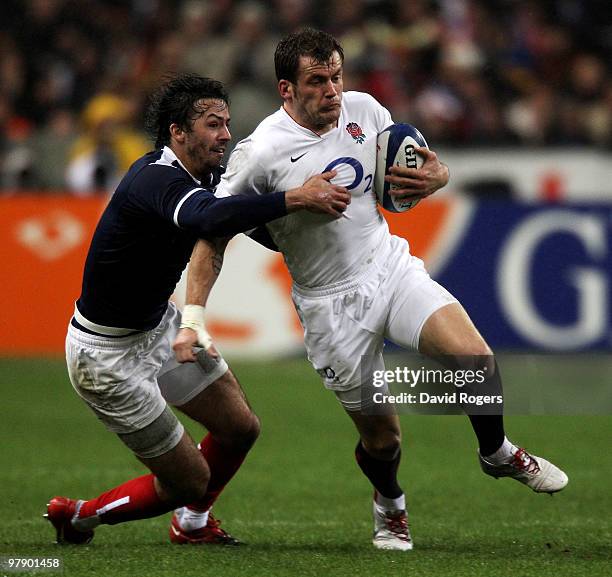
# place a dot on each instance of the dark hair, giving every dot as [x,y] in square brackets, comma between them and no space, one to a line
[174,102]
[316,44]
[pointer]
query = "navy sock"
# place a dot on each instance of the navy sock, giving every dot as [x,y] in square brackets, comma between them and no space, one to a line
[488,422]
[382,474]
[489,430]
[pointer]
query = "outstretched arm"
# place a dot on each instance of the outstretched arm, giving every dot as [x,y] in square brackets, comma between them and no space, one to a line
[211,217]
[204,268]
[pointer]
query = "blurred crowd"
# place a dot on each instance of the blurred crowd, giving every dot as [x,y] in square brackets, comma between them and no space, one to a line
[74,74]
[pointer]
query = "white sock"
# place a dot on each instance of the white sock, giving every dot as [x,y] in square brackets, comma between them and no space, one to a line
[190,520]
[398,504]
[503,454]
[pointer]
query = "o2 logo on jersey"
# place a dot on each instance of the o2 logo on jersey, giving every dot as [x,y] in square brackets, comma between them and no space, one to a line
[339,165]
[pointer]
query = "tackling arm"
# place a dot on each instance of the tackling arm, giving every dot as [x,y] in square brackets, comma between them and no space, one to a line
[211,217]
[204,268]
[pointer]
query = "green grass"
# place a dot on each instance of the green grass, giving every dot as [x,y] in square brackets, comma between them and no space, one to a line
[299,501]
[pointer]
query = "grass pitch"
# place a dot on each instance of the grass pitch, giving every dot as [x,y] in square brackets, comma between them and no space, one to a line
[300,501]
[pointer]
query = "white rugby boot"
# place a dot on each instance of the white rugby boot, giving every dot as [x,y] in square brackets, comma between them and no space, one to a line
[535,472]
[391,529]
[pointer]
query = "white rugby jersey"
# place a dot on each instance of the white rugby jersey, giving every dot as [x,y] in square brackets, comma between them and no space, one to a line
[280,155]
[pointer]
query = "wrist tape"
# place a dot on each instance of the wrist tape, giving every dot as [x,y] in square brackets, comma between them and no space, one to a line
[193,318]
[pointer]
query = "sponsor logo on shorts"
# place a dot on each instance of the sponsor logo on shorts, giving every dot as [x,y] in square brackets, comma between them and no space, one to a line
[329,374]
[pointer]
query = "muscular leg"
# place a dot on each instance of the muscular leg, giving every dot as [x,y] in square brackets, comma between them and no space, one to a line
[181,475]
[380,434]
[224,410]
[184,474]
[233,429]
[178,476]
[450,332]
[379,450]
[378,455]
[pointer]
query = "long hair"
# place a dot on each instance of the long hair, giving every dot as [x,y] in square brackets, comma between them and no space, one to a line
[176,102]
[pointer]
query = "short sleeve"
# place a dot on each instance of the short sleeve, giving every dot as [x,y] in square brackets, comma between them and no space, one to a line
[383,116]
[164,191]
[244,174]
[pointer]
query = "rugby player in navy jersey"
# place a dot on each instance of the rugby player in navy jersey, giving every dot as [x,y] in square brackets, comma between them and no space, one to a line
[119,343]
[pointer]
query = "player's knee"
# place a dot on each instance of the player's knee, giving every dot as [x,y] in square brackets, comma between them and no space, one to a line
[193,490]
[471,345]
[474,354]
[192,494]
[479,348]
[251,433]
[384,447]
[188,488]
[243,434]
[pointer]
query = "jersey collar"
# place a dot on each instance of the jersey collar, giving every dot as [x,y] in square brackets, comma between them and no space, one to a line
[168,157]
[309,132]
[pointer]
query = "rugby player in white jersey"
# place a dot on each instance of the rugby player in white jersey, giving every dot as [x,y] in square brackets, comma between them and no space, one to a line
[354,283]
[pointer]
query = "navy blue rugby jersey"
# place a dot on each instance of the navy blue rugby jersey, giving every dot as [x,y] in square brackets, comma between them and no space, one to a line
[145,236]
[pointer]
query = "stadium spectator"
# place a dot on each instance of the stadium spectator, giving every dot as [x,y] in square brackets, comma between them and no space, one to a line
[52,148]
[17,167]
[476,71]
[106,148]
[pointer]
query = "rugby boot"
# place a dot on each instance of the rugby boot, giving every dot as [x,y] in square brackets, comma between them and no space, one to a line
[391,530]
[211,534]
[60,513]
[535,472]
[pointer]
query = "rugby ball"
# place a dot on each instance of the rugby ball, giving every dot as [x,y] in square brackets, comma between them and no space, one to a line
[395,147]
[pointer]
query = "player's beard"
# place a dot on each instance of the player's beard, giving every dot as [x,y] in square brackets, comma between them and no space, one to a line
[320,120]
[315,117]
[330,116]
[202,159]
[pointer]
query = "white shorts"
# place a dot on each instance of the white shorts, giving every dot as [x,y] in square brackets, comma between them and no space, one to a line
[393,299]
[118,377]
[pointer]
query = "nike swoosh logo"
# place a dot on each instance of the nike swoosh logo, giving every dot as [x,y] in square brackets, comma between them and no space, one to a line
[177,533]
[298,157]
